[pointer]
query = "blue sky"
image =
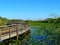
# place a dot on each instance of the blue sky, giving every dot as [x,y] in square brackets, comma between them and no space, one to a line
[29,9]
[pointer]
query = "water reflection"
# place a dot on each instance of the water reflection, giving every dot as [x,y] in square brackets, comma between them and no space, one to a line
[40,36]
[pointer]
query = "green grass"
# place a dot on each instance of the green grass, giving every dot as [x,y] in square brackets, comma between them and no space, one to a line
[44,24]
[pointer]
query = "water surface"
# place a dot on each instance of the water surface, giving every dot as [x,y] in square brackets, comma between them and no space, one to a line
[40,36]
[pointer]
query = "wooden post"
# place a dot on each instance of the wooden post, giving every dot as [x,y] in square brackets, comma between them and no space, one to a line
[21,28]
[17,34]
[25,27]
[0,34]
[9,32]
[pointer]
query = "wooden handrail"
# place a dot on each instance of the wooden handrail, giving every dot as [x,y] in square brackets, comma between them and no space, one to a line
[11,29]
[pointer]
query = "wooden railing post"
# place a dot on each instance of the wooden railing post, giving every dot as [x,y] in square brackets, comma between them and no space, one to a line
[17,34]
[21,28]
[9,32]
[25,27]
[0,34]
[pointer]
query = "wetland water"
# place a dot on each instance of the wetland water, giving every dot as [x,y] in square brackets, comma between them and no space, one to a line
[41,36]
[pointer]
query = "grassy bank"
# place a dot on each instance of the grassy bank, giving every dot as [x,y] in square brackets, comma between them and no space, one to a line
[44,24]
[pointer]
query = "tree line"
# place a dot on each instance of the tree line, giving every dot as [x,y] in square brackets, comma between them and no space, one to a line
[3,21]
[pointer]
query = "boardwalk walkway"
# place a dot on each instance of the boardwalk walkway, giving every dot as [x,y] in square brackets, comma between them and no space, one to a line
[12,30]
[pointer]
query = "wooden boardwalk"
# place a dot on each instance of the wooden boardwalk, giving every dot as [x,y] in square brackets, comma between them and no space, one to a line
[12,30]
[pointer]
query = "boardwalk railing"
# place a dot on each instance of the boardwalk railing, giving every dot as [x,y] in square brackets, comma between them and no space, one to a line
[12,30]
